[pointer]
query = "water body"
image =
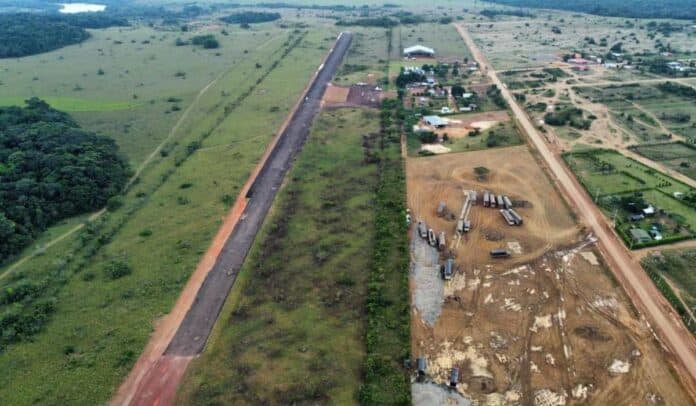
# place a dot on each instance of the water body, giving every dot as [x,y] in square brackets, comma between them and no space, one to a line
[74,8]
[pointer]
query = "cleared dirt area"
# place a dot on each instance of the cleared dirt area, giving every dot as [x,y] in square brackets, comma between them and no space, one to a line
[335,94]
[546,326]
[461,125]
[355,95]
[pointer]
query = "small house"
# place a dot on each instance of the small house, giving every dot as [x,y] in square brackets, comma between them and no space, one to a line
[639,236]
[649,211]
[435,121]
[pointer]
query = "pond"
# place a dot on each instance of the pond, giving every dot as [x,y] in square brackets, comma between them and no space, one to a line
[73,8]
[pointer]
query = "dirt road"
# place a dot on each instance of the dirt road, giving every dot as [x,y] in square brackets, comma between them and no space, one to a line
[667,324]
[184,332]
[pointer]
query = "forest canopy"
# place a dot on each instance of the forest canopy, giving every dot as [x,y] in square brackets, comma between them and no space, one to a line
[616,8]
[23,34]
[250,17]
[50,169]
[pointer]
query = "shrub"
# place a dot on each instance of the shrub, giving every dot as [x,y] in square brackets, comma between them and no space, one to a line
[117,268]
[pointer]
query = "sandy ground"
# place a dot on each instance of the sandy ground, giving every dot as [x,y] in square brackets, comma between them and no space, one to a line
[542,327]
[461,125]
[335,94]
[679,344]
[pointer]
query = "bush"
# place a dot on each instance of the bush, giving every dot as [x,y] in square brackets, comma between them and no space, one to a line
[117,268]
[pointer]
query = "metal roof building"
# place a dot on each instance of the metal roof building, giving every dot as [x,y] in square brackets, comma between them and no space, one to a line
[435,121]
[419,50]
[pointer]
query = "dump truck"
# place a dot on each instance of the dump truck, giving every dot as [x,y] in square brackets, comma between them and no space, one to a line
[454,377]
[486,199]
[516,217]
[500,253]
[448,269]
[422,229]
[432,239]
[441,209]
[508,217]
[421,367]
[441,241]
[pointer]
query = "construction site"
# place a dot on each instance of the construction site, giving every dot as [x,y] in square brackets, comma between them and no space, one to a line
[517,311]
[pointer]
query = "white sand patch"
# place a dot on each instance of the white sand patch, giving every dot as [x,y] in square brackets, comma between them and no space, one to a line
[619,367]
[590,257]
[483,125]
[541,322]
[435,148]
[457,283]
[449,357]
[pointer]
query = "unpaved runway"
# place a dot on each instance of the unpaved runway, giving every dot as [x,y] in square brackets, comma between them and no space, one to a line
[156,380]
[635,281]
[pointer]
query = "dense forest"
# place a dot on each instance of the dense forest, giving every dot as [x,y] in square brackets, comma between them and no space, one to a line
[250,17]
[23,34]
[617,8]
[50,169]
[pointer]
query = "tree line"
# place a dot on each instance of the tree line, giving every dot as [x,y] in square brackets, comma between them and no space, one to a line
[23,34]
[50,169]
[676,9]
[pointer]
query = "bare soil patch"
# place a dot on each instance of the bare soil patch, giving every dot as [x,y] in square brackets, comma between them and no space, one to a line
[546,325]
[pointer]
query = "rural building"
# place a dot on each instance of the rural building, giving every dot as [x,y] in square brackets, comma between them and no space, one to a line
[649,211]
[419,50]
[639,236]
[435,121]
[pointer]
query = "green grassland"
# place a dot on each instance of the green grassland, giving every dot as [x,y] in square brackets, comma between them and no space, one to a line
[678,156]
[292,329]
[504,134]
[368,55]
[609,176]
[146,83]
[677,266]
[101,324]
[443,38]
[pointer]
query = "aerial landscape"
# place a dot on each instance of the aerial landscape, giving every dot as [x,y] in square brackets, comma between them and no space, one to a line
[456,202]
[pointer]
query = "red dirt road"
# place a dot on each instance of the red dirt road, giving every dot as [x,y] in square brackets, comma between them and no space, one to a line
[679,342]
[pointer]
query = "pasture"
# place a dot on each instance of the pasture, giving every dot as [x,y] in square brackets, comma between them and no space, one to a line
[100,323]
[300,294]
[678,156]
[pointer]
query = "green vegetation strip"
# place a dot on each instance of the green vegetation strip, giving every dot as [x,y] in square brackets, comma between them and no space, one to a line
[678,266]
[72,104]
[292,328]
[388,323]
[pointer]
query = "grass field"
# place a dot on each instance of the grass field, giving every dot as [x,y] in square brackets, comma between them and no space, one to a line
[146,83]
[169,215]
[677,268]
[294,323]
[678,156]
[610,177]
[626,102]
